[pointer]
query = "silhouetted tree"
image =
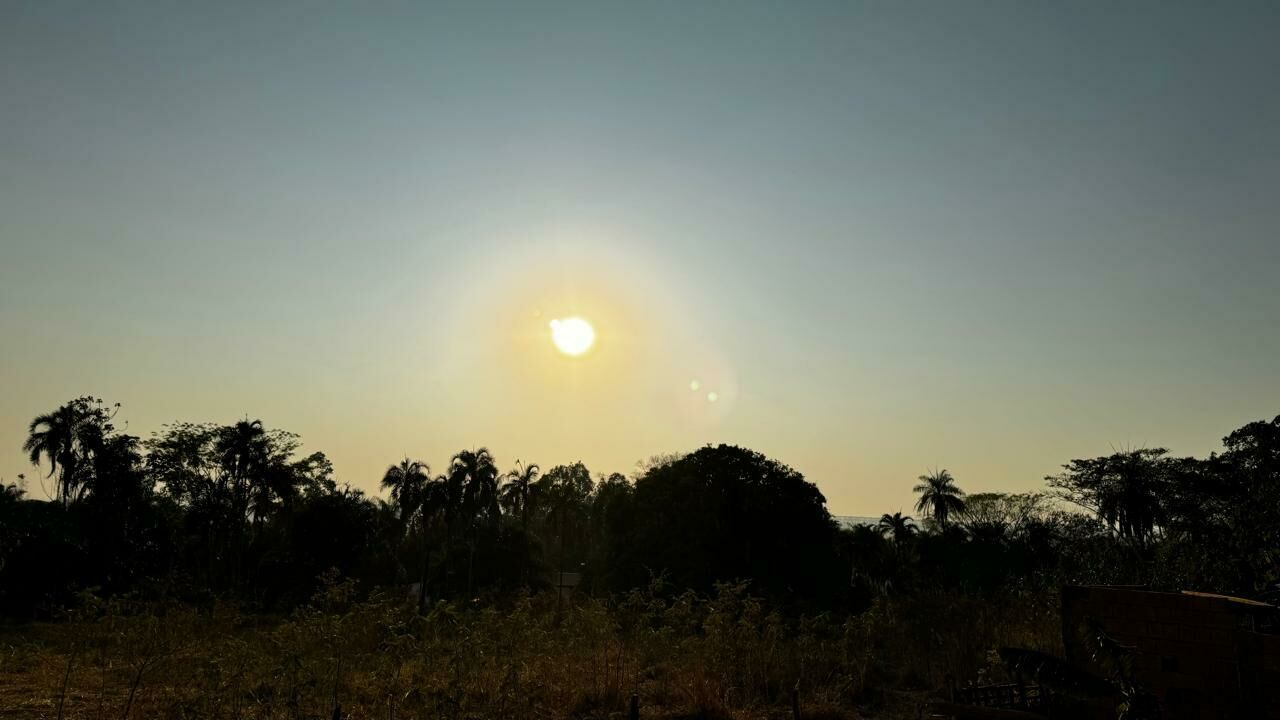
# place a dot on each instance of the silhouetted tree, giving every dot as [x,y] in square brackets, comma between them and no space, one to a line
[515,492]
[330,529]
[11,492]
[10,495]
[872,565]
[1009,509]
[1125,490]
[939,497]
[608,505]
[412,491]
[470,497]
[897,526]
[407,482]
[563,495]
[207,510]
[230,480]
[726,513]
[67,439]
[241,450]
[472,478]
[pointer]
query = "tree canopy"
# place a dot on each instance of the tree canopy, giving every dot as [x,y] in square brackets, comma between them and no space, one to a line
[240,510]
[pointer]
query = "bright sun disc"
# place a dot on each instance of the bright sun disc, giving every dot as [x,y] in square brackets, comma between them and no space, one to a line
[572,335]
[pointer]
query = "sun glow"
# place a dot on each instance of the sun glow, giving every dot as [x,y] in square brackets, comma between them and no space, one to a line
[572,335]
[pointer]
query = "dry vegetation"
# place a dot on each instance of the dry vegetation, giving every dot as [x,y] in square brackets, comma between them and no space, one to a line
[727,656]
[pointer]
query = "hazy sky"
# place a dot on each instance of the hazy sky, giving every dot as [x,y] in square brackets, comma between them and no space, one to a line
[890,236]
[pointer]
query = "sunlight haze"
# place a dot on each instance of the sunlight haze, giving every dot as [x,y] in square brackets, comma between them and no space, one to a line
[865,239]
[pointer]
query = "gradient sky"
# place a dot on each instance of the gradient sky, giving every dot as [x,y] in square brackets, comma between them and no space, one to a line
[892,236]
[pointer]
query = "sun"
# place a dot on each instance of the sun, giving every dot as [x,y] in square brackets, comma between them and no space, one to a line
[572,335]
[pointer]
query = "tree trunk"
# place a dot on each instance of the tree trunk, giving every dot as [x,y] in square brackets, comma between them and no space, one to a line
[426,567]
[471,559]
[560,563]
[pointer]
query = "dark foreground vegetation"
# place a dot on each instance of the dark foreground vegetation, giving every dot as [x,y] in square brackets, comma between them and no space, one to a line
[217,571]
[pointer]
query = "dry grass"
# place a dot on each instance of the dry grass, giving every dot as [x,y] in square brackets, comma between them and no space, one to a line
[685,657]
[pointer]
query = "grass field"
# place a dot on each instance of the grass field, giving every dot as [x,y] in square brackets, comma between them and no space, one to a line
[725,656]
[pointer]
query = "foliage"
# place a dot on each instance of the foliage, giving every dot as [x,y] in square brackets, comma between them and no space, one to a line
[710,582]
[940,498]
[726,514]
[1123,489]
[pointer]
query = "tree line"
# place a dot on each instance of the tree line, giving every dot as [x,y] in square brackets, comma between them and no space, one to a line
[201,511]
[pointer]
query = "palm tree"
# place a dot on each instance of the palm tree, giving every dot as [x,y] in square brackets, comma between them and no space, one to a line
[67,437]
[471,484]
[53,436]
[407,482]
[243,455]
[241,448]
[939,497]
[897,526]
[517,496]
[415,497]
[515,493]
[472,480]
[254,463]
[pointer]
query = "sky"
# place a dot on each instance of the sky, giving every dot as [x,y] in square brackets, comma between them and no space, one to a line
[890,237]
